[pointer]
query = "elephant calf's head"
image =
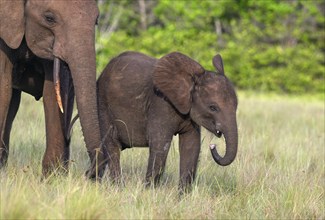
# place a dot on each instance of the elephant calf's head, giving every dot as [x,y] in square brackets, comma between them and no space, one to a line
[208,97]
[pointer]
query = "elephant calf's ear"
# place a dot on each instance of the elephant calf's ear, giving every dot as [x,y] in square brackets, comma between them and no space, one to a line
[174,76]
[218,64]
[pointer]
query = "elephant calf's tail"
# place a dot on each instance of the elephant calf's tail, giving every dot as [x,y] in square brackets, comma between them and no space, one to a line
[71,125]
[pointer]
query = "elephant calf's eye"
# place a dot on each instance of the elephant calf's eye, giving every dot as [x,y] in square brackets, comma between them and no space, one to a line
[214,108]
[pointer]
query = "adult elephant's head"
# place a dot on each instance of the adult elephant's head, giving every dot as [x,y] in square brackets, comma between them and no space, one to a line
[60,30]
[208,97]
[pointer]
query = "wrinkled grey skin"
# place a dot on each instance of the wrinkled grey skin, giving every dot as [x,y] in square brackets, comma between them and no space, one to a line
[144,101]
[33,33]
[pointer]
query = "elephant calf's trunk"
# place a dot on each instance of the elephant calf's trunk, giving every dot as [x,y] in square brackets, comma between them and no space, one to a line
[222,161]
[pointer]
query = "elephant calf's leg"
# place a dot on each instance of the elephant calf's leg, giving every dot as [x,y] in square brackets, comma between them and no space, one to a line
[157,162]
[5,97]
[114,162]
[111,146]
[189,150]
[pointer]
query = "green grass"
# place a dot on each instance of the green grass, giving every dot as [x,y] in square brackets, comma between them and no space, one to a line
[279,172]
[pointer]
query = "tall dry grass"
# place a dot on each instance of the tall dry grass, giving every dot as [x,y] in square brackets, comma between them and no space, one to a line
[279,172]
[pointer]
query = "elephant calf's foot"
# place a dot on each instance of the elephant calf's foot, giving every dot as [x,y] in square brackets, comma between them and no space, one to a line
[184,189]
[152,181]
[116,178]
[185,184]
[95,174]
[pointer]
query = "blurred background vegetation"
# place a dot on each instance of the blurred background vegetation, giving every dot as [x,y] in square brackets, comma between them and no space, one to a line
[267,45]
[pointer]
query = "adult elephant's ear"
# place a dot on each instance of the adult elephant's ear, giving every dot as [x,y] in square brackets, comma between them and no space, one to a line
[12,22]
[174,75]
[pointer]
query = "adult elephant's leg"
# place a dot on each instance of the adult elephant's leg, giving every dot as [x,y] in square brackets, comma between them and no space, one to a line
[189,150]
[57,147]
[5,97]
[13,108]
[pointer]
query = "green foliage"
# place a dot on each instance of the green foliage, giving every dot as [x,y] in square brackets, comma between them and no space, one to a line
[266,45]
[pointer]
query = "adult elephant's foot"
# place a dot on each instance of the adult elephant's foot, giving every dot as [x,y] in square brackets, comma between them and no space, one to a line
[3,155]
[3,160]
[54,169]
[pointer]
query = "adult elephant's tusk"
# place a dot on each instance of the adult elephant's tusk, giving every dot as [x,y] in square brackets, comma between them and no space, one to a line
[56,79]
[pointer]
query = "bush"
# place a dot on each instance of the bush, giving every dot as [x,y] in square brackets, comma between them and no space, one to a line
[266,45]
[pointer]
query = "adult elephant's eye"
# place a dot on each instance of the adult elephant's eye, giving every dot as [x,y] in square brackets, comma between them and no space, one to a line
[49,18]
[214,108]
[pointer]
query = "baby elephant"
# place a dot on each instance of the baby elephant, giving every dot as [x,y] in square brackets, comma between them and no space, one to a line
[144,101]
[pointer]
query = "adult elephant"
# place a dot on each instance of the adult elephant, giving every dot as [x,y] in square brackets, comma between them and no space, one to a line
[43,43]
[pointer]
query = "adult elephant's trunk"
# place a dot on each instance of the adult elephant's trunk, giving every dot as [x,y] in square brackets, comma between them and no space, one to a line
[231,137]
[81,59]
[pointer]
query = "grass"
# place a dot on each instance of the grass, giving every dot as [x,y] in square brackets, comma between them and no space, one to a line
[279,172]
